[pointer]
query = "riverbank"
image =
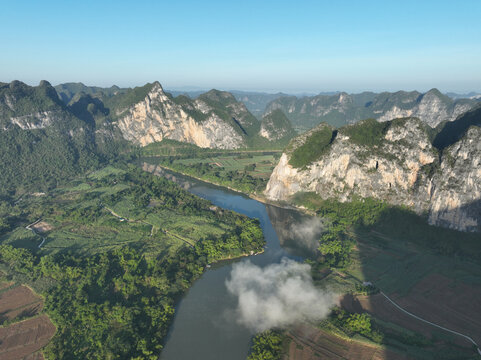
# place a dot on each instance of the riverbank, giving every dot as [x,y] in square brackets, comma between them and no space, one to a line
[254,196]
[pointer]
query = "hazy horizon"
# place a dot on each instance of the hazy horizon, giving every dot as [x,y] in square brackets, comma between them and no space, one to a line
[306,47]
[267,91]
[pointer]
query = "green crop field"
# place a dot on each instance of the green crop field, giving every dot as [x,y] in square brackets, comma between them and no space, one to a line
[247,172]
[97,227]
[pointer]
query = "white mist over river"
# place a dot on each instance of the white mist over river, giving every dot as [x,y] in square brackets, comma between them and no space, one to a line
[277,295]
[220,313]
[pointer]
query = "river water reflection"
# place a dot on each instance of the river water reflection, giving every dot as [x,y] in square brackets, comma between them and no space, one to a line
[202,328]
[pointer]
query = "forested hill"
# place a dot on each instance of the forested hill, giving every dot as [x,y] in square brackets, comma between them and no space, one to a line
[41,140]
[397,162]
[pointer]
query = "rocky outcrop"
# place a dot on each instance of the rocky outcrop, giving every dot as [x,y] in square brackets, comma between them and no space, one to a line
[38,120]
[402,168]
[456,200]
[158,116]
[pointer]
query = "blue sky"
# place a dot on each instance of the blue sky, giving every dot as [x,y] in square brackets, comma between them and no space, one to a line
[303,46]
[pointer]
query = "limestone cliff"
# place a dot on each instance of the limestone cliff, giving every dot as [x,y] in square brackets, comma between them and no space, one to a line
[456,200]
[158,116]
[394,162]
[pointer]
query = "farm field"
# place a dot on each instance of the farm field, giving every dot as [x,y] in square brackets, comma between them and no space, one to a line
[78,219]
[26,330]
[440,289]
[245,171]
[24,339]
[308,342]
[429,272]
[19,302]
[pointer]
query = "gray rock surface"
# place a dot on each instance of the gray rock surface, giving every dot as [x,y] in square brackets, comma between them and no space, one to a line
[404,169]
[157,117]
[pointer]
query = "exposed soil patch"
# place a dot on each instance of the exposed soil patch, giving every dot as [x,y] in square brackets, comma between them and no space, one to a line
[19,302]
[42,227]
[311,343]
[5,284]
[22,340]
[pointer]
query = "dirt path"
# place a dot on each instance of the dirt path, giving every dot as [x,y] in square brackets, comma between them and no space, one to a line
[29,227]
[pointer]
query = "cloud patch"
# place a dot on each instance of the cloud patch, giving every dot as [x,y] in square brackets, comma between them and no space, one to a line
[277,296]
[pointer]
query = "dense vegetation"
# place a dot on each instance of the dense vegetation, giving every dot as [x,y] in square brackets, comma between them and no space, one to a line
[368,132]
[355,324]
[37,156]
[313,148]
[19,99]
[238,180]
[115,299]
[397,223]
[267,345]
[40,159]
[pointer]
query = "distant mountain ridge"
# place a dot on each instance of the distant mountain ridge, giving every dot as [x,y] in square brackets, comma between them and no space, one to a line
[67,91]
[340,109]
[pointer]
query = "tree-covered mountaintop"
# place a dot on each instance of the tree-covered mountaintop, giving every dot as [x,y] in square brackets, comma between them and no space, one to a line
[277,126]
[19,99]
[120,102]
[43,141]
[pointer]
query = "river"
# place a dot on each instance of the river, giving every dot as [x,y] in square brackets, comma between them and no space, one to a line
[203,327]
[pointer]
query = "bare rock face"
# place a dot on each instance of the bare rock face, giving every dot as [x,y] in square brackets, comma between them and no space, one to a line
[38,120]
[456,201]
[402,169]
[157,117]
